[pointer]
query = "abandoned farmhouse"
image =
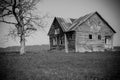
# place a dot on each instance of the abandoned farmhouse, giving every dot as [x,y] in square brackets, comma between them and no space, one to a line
[87,33]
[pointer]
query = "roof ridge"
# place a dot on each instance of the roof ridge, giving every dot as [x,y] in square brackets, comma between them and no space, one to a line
[85,15]
[64,22]
[68,24]
[82,17]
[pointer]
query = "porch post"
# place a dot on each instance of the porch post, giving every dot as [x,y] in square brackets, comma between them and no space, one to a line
[76,46]
[112,41]
[66,44]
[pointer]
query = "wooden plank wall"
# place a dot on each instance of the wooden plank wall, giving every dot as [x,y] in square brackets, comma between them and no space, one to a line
[93,26]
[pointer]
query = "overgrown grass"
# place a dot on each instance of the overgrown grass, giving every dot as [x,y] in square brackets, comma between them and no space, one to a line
[56,65]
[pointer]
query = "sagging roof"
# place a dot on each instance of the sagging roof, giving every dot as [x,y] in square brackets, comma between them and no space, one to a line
[69,24]
[65,23]
[80,20]
[86,17]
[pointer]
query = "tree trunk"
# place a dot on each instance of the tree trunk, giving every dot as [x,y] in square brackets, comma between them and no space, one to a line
[22,44]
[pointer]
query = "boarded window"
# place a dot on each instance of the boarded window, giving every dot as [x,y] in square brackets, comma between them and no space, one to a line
[90,36]
[99,37]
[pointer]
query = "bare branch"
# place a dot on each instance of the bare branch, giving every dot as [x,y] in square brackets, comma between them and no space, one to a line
[25,21]
[13,33]
[7,14]
[13,10]
[8,22]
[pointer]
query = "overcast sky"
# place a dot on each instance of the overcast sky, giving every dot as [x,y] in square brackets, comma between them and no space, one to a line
[108,9]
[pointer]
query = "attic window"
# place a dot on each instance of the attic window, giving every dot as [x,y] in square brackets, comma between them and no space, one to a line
[90,36]
[57,31]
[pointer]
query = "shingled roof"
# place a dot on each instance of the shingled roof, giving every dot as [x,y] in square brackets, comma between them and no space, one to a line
[65,23]
[69,24]
[80,20]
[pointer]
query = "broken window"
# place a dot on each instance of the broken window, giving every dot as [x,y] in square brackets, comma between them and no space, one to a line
[90,36]
[57,31]
[99,37]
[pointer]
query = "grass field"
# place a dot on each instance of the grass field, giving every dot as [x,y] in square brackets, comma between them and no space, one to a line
[56,65]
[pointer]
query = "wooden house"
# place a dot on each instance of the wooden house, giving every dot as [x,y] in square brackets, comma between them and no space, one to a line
[85,34]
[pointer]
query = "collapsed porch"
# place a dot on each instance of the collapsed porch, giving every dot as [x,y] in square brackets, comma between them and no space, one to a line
[65,41]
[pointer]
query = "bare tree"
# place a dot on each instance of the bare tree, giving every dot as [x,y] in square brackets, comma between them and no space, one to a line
[25,19]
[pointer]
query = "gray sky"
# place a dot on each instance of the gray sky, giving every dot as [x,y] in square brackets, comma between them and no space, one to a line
[108,9]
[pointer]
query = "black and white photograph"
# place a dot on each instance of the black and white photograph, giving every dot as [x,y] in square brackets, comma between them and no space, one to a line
[59,40]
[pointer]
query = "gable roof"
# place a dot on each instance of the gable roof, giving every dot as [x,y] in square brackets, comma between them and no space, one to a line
[65,23]
[69,24]
[86,17]
[80,20]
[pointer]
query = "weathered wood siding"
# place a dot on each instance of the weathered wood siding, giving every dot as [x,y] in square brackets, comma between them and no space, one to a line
[93,26]
[56,36]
